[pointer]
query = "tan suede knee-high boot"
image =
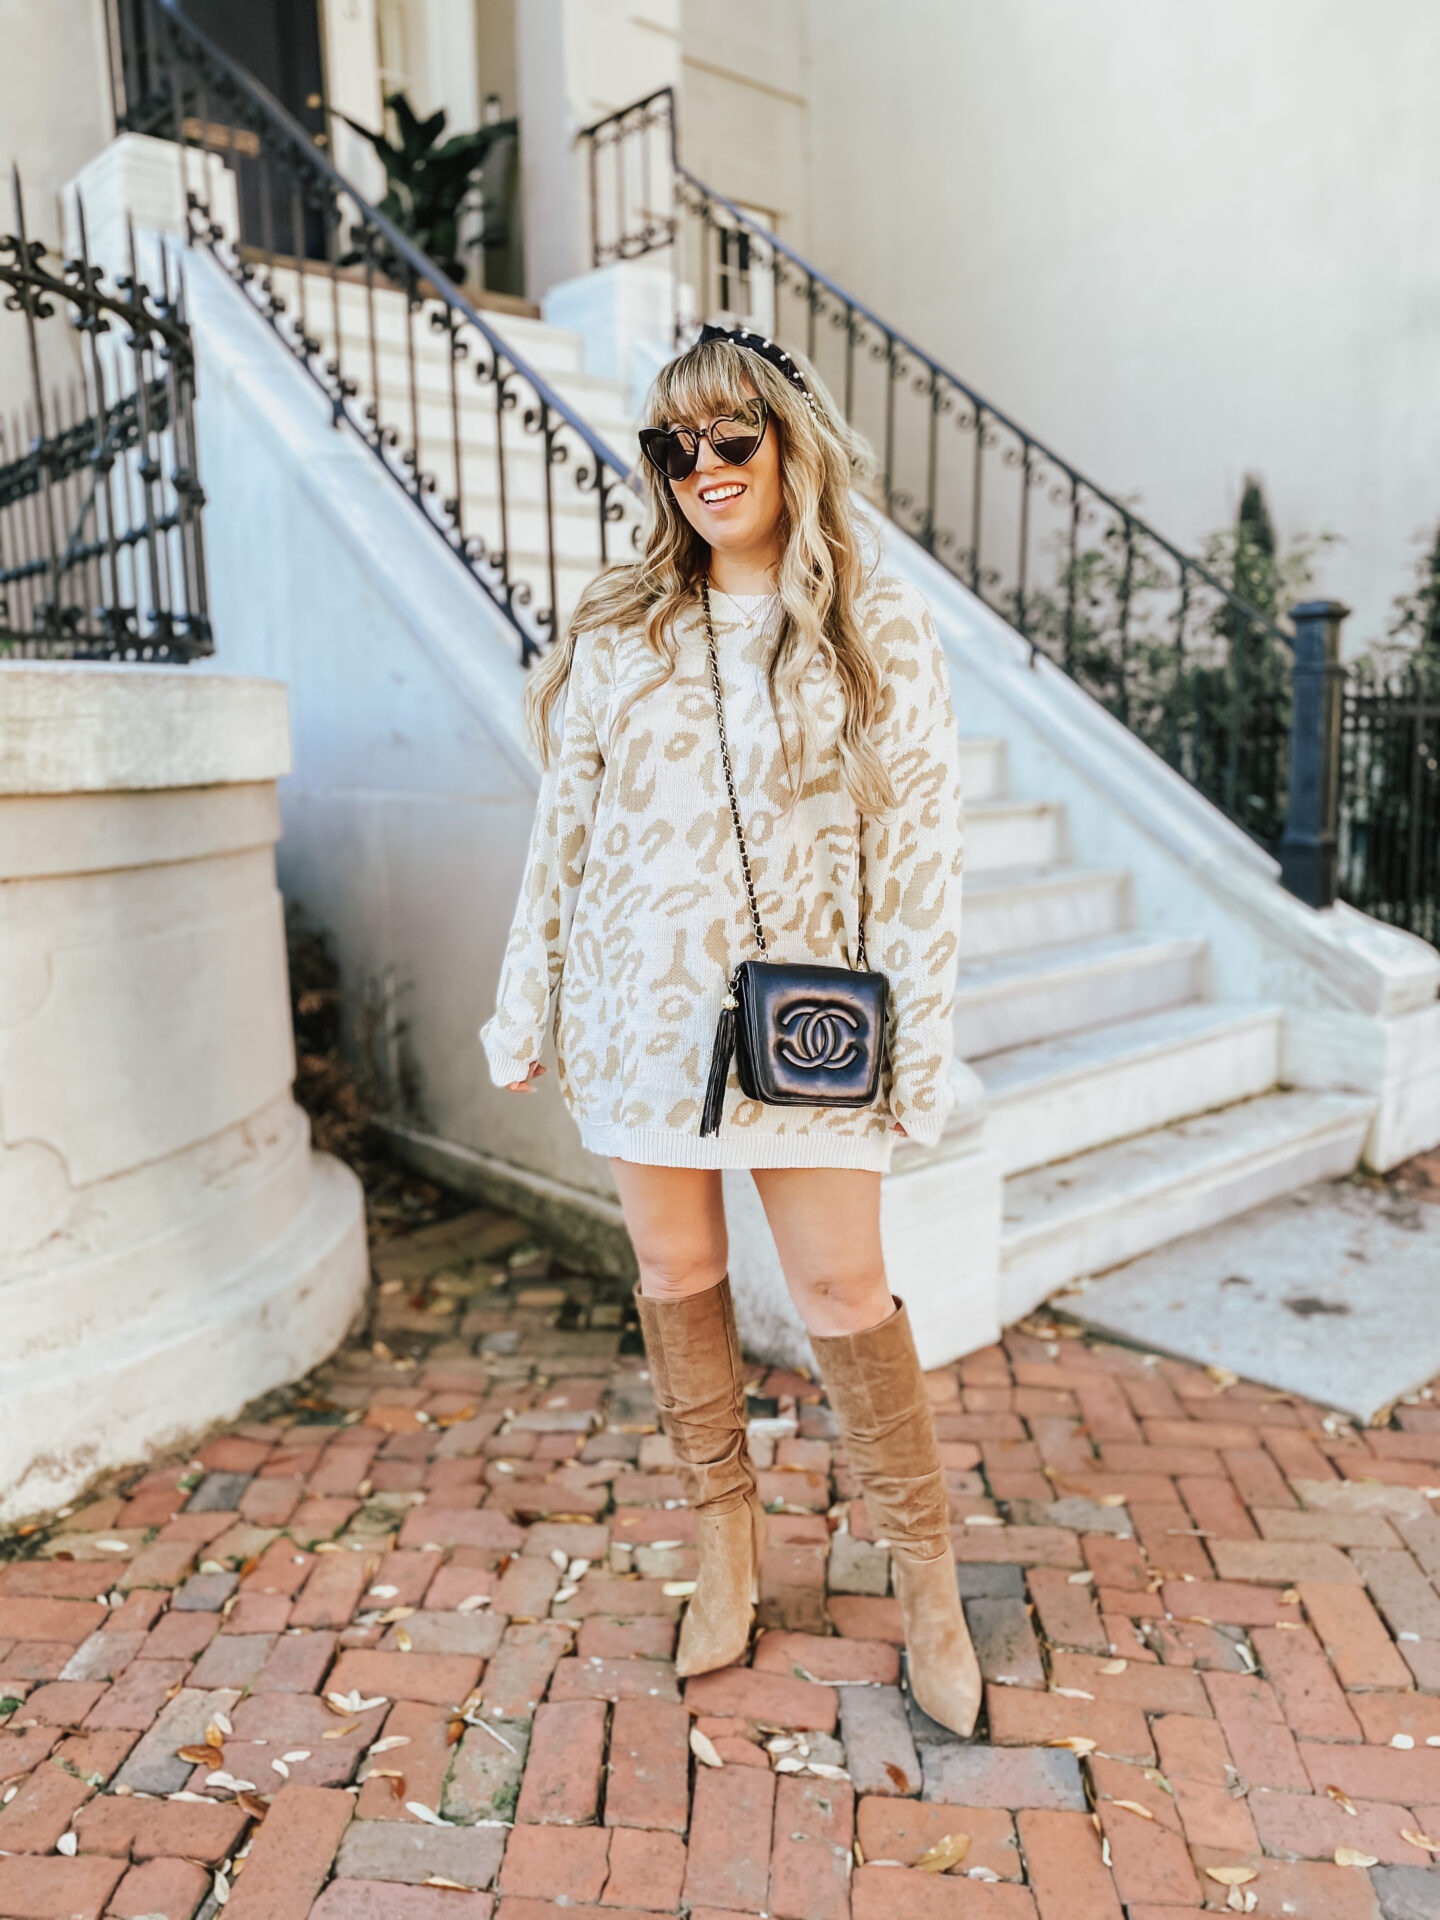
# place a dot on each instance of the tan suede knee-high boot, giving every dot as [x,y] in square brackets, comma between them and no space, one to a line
[694,1354]
[877,1392]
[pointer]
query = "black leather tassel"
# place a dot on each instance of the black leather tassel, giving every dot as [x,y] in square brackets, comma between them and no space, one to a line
[719,1068]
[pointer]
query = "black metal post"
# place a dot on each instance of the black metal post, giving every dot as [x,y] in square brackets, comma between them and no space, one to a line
[1307,851]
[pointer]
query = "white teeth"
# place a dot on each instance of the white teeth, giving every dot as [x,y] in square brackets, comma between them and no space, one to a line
[712,494]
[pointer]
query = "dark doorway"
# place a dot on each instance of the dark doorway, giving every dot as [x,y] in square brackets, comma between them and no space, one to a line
[278,43]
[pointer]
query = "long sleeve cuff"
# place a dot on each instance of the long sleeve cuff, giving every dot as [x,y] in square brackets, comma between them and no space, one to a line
[505,1067]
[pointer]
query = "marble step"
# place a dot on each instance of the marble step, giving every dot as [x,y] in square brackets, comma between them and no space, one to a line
[1083,1215]
[1064,1096]
[1015,999]
[1002,833]
[983,773]
[1015,909]
[548,349]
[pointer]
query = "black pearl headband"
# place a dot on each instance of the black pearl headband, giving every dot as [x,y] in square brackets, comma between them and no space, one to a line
[767,349]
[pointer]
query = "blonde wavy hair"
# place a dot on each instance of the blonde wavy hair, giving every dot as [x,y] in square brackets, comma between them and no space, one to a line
[822,574]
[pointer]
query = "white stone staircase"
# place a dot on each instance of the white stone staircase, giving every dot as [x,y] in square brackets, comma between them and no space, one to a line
[1126,1107]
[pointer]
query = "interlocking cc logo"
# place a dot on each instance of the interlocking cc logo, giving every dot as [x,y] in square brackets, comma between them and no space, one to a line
[819,1038]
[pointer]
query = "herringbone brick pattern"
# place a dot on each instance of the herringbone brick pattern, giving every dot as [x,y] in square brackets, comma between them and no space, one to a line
[400,1647]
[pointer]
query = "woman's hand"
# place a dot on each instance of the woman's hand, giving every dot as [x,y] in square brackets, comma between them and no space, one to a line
[523,1086]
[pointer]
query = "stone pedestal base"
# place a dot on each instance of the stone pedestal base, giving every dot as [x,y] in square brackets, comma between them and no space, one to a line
[170,1247]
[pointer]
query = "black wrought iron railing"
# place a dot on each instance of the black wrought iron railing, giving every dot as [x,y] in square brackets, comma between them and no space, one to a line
[527,496]
[1389,823]
[1169,647]
[101,554]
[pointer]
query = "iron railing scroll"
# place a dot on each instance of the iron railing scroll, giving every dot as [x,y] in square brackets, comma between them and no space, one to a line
[519,487]
[1161,640]
[101,555]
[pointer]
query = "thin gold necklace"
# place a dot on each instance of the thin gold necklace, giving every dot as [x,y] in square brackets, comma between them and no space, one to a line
[750,621]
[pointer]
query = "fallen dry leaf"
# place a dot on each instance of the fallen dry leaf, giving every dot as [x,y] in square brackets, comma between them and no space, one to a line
[898,1778]
[678,1589]
[1231,1876]
[427,1814]
[1343,1800]
[1352,1857]
[1421,1840]
[1073,1743]
[946,1853]
[439,1880]
[1115,1666]
[1134,1806]
[200,1756]
[703,1748]
[339,1733]
[253,1805]
[403,1641]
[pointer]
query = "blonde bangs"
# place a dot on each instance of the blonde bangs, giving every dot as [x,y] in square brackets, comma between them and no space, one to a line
[710,380]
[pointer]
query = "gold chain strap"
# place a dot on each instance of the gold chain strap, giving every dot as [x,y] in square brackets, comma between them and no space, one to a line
[735,804]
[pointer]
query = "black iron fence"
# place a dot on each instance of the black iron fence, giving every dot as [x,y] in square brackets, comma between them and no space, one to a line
[1389,818]
[101,556]
[520,488]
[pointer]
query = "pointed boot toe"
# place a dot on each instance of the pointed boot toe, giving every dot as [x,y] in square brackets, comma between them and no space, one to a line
[940,1660]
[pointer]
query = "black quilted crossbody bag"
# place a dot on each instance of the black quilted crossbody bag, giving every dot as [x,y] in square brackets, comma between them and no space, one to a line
[801,1036]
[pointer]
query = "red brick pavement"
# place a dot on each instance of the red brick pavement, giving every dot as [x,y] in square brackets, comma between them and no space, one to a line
[399,1647]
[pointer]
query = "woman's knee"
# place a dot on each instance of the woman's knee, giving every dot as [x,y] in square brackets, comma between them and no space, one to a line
[673,1273]
[681,1257]
[841,1301]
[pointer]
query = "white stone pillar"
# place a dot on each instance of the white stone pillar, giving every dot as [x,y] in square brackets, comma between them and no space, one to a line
[170,1247]
[352,85]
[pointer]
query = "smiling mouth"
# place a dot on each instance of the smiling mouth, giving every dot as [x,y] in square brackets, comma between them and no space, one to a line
[712,496]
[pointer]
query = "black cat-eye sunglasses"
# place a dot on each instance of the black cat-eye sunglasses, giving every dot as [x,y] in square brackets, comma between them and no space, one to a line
[675,451]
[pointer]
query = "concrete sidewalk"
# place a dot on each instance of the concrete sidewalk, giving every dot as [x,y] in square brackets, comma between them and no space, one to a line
[398,1647]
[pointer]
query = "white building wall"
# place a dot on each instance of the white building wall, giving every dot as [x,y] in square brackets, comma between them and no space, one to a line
[1177,242]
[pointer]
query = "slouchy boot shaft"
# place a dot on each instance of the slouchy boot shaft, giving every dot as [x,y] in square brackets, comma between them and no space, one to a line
[877,1393]
[696,1369]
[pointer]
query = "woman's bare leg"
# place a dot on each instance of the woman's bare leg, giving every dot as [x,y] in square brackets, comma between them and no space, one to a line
[826,1223]
[675,1217]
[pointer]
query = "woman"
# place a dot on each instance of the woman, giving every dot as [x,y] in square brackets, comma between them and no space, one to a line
[634,911]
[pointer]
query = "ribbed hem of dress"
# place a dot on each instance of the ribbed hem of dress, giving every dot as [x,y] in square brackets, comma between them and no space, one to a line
[737,1147]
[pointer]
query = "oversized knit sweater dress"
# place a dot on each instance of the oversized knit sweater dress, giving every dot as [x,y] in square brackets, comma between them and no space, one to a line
[632,912]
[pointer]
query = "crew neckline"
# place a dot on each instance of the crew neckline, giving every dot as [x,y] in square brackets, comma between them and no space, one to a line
[745,599]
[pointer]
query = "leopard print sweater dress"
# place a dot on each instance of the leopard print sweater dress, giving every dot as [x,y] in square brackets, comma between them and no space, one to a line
[632,910]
